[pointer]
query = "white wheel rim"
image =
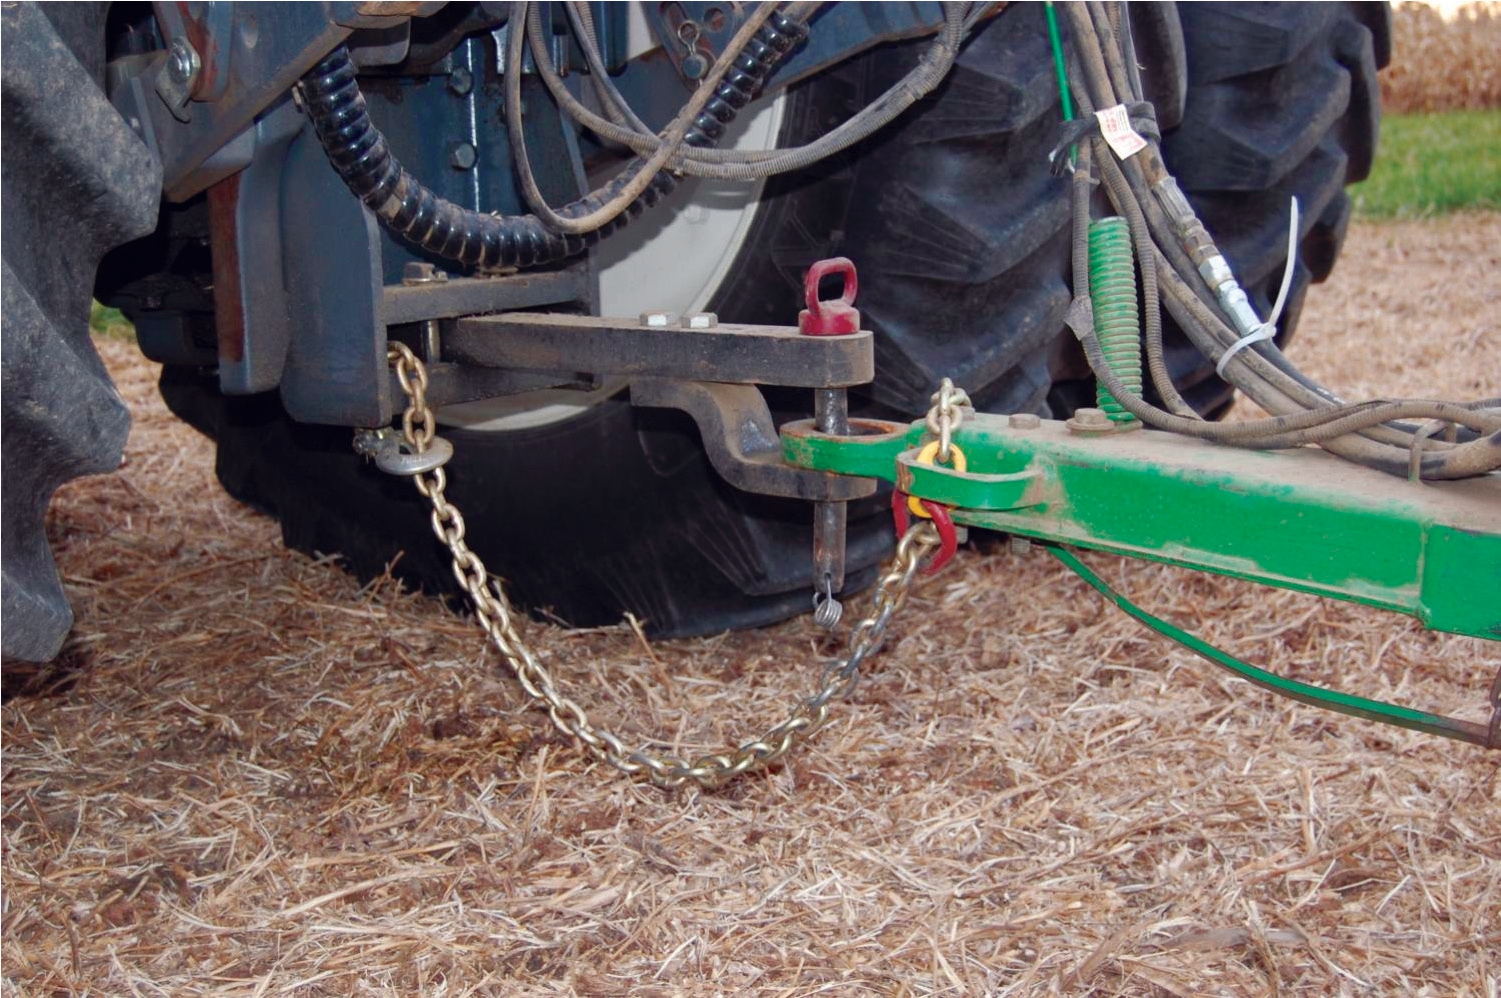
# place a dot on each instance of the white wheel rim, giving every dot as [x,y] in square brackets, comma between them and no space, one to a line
[671,259]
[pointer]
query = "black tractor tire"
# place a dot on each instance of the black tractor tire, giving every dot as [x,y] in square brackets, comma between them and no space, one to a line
[961,238]
[76,182]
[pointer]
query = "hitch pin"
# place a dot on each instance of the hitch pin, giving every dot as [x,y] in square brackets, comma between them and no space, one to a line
[831,415]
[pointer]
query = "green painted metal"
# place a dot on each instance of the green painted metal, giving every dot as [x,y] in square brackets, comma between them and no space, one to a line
[1299,519]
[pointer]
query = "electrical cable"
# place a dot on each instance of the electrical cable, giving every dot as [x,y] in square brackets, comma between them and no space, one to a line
[638,176]
[361,156]
[747,165]
[1316,696]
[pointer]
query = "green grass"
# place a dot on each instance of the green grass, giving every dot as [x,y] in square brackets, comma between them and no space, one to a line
[1429,164]
[110,324]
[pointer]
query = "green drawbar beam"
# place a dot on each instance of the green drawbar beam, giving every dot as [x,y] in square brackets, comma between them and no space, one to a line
[1299,519]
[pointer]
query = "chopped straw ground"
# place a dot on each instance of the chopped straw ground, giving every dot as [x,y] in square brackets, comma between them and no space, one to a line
[259,778]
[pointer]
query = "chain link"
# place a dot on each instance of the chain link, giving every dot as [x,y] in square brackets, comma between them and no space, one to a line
[494,613]
[949,405]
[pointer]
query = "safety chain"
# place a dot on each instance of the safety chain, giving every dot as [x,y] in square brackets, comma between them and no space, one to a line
[947,413]
[495,616]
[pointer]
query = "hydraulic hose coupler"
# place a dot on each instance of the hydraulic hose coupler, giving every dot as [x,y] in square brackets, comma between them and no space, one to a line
[1216,273]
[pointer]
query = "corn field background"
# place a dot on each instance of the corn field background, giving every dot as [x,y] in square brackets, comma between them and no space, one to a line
[1443,61]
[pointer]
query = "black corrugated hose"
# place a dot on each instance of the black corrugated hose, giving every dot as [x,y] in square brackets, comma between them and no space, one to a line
[363,159]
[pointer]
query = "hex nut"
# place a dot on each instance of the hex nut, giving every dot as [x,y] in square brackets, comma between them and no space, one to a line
[1019,545]
[182,61]
[462,156]
[699,320]
[1024,421]
[460,81]
[1090,422]
[656,320]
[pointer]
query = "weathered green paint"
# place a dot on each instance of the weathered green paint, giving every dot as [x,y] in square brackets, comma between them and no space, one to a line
[1296,519]
[1462,581]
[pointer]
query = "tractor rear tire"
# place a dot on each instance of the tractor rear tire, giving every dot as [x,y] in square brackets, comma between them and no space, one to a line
[76,181]
[961,237]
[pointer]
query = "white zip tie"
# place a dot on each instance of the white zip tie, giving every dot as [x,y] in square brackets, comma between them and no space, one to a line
[1268,329]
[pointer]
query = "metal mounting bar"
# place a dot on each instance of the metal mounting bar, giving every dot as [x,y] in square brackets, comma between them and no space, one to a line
[449,298]
[752,355]
[1300,519]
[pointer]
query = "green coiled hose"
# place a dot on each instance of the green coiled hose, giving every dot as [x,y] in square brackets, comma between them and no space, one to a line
[1112,287]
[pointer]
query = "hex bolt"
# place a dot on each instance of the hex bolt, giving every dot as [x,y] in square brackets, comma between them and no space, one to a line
[656,320]
[1024,421]
[1090,422]
[699,320]
[462,156]
[421,272]
[182,60]
[460,81]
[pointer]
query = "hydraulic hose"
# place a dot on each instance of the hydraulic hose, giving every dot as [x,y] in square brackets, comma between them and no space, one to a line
[1303,411]
[363,159]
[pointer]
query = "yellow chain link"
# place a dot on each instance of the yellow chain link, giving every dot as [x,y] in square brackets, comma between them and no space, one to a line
[493,612]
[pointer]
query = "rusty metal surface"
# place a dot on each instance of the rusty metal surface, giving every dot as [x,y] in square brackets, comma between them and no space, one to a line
[741,440]
[468,296]
[450,383]
[229,317]
[756,355]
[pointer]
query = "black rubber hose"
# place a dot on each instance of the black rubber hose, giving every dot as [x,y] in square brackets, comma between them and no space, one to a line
[361,156]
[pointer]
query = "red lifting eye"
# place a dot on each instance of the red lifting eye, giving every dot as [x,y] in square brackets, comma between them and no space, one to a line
[832,317]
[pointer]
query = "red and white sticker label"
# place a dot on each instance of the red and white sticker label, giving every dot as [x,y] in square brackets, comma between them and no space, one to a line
[1115,126]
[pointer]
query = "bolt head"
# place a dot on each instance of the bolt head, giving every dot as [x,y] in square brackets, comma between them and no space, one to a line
[460,81]
[695,66]
[656,320]
[182,60]
[699,320]
[462,156]
[1019,545]
[1024,421]
[1090,423]
[421,272]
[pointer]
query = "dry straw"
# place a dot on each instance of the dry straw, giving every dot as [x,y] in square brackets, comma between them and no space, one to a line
[255,777]
[1443,62]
